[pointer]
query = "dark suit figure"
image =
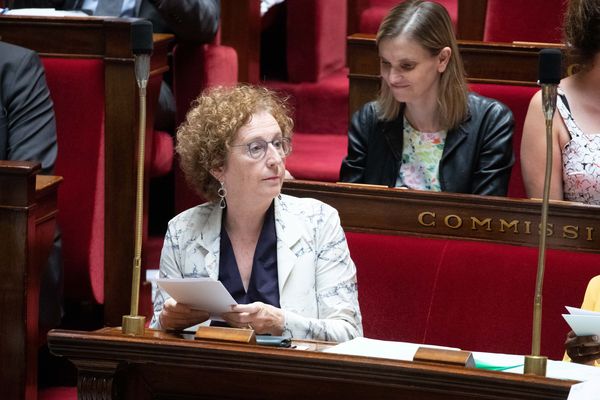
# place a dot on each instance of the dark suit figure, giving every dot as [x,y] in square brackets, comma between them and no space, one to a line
[28,133]
[194,21]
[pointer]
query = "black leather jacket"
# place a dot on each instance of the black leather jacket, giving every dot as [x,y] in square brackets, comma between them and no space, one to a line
[477,156]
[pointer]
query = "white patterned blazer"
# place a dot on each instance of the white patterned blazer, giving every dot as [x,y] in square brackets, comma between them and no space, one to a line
[317,277]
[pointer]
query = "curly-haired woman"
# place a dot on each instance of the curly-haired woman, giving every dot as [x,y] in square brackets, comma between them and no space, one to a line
[284,260]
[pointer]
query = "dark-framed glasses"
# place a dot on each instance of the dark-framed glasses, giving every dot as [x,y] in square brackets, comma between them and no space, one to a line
[257,149]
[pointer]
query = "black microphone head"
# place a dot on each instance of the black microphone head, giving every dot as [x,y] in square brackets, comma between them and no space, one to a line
[141,37]
[550,66]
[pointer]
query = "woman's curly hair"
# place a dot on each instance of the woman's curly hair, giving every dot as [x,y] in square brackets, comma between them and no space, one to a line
[581,31]
[211,125]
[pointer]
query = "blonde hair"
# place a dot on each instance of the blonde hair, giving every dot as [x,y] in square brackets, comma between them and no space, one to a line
[581,31]
[211,125]
[429,24]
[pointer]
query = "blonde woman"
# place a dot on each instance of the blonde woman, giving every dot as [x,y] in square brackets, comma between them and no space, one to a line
[426,131]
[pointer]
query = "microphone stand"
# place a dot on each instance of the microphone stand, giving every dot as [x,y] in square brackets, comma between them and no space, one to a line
[134,324]
[535,364]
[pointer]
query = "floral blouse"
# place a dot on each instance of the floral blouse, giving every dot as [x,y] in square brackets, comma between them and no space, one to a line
[421,159]
[581,159]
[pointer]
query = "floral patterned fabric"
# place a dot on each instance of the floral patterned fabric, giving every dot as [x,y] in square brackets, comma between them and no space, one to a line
[581,159]
[421,159]
[318,292]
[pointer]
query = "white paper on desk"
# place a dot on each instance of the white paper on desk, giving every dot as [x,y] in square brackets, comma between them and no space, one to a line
[361,346]
[585,390]
[199,293]
[45,12]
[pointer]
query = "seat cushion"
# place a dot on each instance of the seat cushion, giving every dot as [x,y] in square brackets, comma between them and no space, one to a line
[321,106]
[396,276]
[371,17]
[162,154]
[517,99]
[317,157]
[77,90]
[484,297]
[528,21]
[58,393]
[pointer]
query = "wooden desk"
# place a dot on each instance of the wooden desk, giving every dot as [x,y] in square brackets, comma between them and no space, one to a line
[28,208]
[160,366]
[107,39]
[485,62]
[366,208]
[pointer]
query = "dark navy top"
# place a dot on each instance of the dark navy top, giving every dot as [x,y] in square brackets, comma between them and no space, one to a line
[264,282]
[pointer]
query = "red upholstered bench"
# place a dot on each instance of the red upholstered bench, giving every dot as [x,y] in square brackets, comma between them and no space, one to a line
[472,295]
[77,90]
[58,393]
[526,21]
[370,13]
[317,157]
[517,99]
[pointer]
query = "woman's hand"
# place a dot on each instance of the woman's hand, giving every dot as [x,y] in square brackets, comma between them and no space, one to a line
[178,316]
[261,317]
[582,349]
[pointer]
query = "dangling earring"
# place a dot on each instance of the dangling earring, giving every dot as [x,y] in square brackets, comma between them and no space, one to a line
[222,192]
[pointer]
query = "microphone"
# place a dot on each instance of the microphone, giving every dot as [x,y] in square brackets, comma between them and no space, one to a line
[549,77]
[141,47]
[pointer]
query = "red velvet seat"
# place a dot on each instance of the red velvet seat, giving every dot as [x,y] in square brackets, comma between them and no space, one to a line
[78,84]
[472,295]
[196,68]
[317,157]
[317,80]
[484,297]
[517,99]
[58,393]
[370,13]
[80,162]
[396,276]
[529,21]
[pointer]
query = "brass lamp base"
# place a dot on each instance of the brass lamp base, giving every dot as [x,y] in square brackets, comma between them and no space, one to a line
[133,325]
[535,365]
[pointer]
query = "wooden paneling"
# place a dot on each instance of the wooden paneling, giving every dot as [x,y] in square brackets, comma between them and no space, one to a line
[162,366]
[27,223]
[240,29]
[365,208]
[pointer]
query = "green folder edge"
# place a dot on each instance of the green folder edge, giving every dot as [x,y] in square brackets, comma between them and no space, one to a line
[492,367]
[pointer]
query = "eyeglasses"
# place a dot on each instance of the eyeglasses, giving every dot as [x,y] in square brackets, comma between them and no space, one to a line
[257,149]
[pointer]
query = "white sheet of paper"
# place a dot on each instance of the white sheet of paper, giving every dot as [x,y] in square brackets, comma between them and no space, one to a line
[588,390]
[45,12]
[199,293]
[361,346]
[579,311]
[583,324]
[406,351]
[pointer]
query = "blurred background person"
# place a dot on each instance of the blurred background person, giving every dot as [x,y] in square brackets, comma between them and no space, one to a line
[585,349]
[576,124]
[192,21]
[28,133]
